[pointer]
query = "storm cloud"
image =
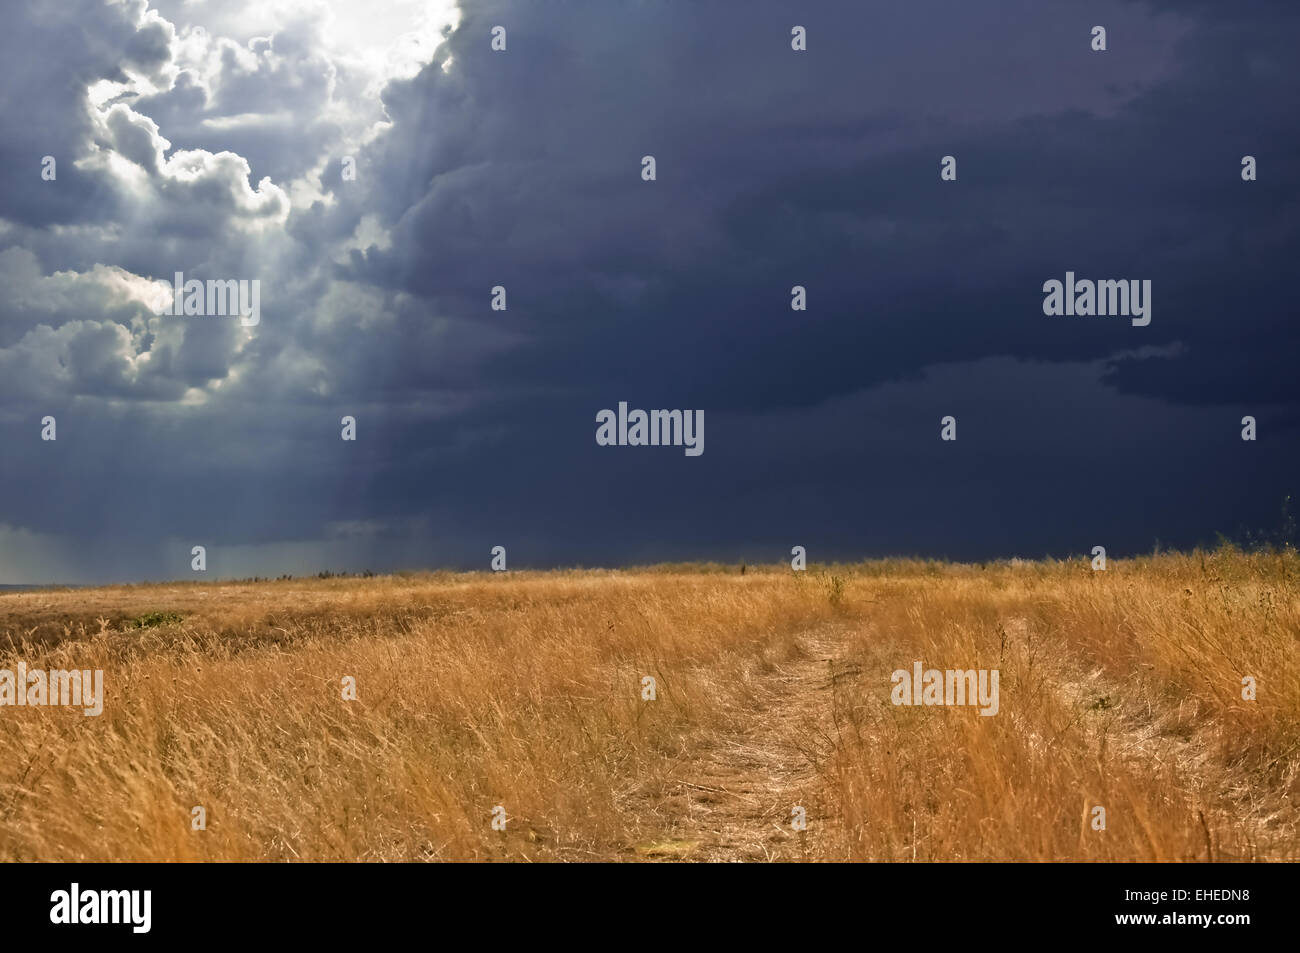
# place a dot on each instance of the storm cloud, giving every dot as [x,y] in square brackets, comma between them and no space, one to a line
[380,170]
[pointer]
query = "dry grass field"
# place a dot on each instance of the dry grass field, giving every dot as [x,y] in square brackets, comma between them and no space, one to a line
[1120,689]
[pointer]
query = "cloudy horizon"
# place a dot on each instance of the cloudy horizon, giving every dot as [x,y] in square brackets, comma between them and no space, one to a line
[380,169]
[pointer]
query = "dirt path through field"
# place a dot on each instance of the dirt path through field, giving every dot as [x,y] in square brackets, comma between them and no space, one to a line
[733,798]
[1173,749]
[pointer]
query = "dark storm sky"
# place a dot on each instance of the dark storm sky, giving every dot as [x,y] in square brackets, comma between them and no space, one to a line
[219,154]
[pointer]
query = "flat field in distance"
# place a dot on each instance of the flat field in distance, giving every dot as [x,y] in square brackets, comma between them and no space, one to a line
[525,691]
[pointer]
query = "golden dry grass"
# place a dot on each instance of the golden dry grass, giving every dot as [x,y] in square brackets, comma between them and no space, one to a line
[1120,689]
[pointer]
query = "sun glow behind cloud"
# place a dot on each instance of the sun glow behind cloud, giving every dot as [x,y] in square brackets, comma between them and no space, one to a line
[393,39]
[383,39]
